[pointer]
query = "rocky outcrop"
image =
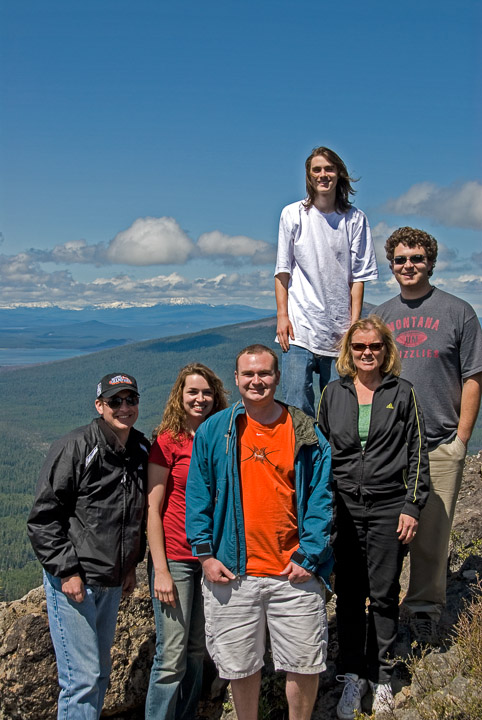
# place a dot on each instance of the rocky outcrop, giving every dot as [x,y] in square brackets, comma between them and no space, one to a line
[28,677]
[28,674]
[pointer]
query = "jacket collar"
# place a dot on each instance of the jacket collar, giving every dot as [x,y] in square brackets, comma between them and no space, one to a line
[387,380]
[109,436]
[303,425]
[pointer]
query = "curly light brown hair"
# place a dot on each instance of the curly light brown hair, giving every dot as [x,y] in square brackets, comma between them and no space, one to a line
[343,186]
[174,413]
[391,364]
[411,237]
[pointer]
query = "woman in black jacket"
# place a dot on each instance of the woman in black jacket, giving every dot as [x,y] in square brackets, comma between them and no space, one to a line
[380,466]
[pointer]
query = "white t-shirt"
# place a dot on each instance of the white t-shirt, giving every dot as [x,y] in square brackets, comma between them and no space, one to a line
[323,253]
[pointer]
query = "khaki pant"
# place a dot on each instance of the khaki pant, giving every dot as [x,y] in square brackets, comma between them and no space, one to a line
[429,549]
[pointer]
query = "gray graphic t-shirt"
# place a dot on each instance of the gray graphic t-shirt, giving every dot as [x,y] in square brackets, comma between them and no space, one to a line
[440,342]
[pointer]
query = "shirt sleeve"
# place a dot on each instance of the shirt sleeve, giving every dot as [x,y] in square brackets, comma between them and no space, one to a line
[161,452]
[418,472]
[363,259]
[199,500]
[54,499]
[287,228]
[471,346]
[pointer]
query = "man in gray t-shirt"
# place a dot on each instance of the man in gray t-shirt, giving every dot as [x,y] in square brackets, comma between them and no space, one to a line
[440,342]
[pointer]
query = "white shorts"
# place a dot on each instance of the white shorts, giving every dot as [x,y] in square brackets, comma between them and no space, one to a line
[238,612]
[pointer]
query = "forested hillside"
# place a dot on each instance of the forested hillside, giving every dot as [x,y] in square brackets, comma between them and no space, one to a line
[43,402]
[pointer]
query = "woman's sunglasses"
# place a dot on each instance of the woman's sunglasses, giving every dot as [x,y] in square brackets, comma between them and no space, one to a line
[373,347]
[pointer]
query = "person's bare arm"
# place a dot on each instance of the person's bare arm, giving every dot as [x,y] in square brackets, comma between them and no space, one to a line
[357,290]
[164,588]
[284,329]
[469,406]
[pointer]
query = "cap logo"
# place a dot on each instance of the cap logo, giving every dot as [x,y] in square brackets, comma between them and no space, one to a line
[120,380]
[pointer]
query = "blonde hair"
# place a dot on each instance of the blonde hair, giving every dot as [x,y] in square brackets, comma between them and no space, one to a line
[391,364]
[174,413]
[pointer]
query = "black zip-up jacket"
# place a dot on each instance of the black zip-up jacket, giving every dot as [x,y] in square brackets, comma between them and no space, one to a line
[89,508]
[395,458]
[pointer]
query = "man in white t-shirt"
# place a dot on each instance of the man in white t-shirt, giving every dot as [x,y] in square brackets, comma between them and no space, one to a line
[325,255]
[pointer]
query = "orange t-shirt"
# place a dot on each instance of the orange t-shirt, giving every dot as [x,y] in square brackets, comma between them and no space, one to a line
[267,474]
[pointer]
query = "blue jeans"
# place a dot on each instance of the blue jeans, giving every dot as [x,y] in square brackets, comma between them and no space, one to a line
[176,674]
[297,368]
[82,636]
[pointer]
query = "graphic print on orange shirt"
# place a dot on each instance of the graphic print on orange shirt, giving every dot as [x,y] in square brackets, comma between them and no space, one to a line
[267,476]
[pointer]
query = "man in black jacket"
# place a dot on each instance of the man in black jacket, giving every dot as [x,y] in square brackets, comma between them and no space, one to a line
[87,529]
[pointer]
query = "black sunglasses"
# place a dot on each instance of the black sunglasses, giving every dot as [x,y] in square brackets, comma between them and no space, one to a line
[415,259]
[116,402]
[373,347]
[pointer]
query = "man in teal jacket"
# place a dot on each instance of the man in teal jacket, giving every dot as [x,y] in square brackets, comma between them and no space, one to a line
[258,515]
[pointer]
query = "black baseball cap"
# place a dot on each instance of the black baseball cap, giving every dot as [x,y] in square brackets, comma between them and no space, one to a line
[115,382]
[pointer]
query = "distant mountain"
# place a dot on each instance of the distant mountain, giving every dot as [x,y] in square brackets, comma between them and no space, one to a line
[94,328]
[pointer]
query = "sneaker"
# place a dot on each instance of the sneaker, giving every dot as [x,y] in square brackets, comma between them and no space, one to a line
[350,701]
[423,629]
[383,701]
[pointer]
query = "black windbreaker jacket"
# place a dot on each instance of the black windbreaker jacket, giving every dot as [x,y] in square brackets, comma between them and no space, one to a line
[89,508]
[395,458]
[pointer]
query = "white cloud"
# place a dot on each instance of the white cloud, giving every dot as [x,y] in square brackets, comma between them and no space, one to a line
[454,206]
[468,283]
[159,241]
[151,241]
[72,252]
[217,244]
[380,233]
[477,258]
[24,282]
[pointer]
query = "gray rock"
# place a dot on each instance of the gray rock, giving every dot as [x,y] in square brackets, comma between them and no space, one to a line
[28,673]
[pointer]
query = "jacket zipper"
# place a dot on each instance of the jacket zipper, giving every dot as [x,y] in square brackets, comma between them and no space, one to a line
[233,458]
[124,510]
[238,550]
[363,449]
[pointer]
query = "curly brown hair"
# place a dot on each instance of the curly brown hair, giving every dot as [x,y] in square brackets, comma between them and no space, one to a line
[174,413]
[411,237]
[391,364]
[343,186]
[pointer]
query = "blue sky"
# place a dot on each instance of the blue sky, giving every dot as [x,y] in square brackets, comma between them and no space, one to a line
[148,148]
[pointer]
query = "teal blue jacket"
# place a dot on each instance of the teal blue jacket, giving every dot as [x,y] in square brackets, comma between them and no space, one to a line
[214,513]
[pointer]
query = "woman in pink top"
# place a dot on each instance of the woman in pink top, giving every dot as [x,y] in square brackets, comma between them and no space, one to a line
[174,574]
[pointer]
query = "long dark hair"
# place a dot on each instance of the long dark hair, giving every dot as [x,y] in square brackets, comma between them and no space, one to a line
[343,186]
